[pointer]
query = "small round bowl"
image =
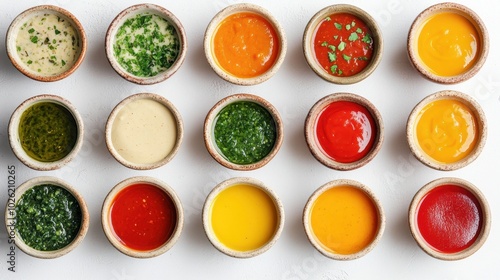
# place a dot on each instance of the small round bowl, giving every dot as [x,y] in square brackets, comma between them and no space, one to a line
[448,117]
[44,162]
[153,197]
[347,160]
[13,216]
[343,205]
[458,76]
[466,215]
[213,28]
[130,70]
[210,138]
[334,44]
[144,131]
[233,223]
[21,41]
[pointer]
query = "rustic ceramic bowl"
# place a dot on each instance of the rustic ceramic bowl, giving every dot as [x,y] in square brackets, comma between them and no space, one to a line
[12,45]
[313,143]
[132,12]
[210,121]
[485,214]
[141,165]
[15,142]
[306,219]
[207,217]
[310,32]
[108,227]
[414,33]
[10,218]
[411,134]
[212,28]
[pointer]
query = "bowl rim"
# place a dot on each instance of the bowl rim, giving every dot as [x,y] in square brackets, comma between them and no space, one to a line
[213,26]
[132,11]
[310,31]
[413,211]
[107,225]
[10,216]
[206,216]
[338,183]
[11,49]
[481,123]
[116,110]
[416,27]
[13,131]
[211,119]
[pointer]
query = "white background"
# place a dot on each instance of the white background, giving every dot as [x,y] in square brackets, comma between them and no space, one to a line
[394,175]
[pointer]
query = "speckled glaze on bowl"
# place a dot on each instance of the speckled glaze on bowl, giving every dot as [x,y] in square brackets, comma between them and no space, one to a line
[310,32]
[11,45]
[212,28]
[415,32]
[10,217]
[131,12]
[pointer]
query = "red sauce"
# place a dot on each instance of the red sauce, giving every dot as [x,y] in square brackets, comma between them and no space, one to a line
[343,44]
[345,131]
[449,218]
[143,217]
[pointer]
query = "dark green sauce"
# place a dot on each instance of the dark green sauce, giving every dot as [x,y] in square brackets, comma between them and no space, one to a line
[48,217]
[47,131]
[245,132]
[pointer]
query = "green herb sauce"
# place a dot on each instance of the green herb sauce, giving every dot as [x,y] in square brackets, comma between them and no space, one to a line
[146,45]
[47,131]
[245,132]
[48,217]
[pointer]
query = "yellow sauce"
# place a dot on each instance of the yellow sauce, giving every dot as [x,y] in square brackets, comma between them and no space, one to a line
[447,130]
[344,220]
[448,44]
[244,217]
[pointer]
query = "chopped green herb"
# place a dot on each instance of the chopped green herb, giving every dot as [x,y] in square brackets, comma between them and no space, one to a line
[353,37]
[334,68]
[367,39]
[328,18]
[353,23]
[338,25]
[324,44]
[31,30]
[358,30]
[332,56]
[341,46]
[348,27]
[346,57]
[335,37]
[341,72]
[29,61]
[34,39]
[362,58]
[332,47]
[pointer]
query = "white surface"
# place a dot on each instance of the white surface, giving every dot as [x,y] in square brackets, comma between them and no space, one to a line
[394,175]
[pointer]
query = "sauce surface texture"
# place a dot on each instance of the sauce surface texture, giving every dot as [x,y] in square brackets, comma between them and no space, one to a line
[143,217]
[48,217]
[448,44]
[343,45]
[345,131]
[447,130]
[449,218]
[245,45]
[344,220]
[244,217]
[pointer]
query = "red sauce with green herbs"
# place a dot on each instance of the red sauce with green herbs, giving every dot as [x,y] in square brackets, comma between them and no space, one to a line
[143,217]
[343,45]
[345,131]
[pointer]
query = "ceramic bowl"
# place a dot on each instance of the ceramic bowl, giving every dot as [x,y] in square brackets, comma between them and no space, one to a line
[451,218]
[245,213]
[213,27]
[108,208]
[415,31]
[12,222]
[314,145]
[23,56]
[378,215]
[210,139]
[144,131]
[134,75]
[480,123]
[15,138]
[311,31]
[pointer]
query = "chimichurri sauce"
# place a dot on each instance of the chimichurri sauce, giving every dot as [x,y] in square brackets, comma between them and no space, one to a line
[245,132]
[48,217]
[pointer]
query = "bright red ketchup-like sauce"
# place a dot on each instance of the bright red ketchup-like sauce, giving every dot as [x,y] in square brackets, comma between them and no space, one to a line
[143,217]
[345,131]
[449,218]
